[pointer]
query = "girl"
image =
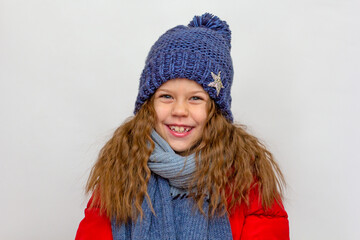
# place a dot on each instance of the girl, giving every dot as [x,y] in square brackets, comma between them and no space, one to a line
[180,169]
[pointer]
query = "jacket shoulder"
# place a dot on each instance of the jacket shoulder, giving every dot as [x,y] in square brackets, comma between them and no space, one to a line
[264,223]
[95,225]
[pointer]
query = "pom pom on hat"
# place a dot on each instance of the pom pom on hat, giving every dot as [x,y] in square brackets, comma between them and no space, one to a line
[210,21]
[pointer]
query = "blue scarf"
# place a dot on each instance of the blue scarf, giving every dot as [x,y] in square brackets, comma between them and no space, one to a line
[178,170]
[176,218]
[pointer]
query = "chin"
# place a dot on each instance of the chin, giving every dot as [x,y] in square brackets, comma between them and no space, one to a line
[186,150]
[180,149]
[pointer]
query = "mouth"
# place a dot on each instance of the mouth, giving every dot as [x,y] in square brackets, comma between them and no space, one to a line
[180,129]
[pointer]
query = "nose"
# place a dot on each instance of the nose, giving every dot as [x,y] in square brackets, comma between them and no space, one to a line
[180,109]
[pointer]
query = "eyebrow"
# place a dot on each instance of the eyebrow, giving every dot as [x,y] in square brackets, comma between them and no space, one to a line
[192,92]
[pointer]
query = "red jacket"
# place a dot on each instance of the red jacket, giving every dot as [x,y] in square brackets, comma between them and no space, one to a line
[247,222]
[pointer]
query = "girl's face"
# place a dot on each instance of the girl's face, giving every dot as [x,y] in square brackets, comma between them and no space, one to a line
[181,107]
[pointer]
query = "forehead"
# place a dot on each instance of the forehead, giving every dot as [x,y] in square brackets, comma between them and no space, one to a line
[181,84]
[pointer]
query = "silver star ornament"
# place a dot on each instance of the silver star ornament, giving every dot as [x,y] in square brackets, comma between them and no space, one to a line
[216,83]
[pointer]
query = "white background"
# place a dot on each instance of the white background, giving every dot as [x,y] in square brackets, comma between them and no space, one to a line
[69,75]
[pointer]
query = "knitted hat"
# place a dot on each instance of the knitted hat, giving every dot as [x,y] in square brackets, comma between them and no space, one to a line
[199,52]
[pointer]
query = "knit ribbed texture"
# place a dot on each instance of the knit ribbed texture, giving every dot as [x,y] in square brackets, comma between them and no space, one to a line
[166,163]
[191,52]
[175,219]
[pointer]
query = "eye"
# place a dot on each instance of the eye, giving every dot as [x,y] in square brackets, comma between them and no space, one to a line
[196,98]
[165,96]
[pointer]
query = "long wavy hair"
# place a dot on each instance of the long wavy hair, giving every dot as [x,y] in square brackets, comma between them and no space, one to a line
[232,163]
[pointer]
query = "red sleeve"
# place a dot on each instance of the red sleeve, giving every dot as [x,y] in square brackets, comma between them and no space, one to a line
[261,224]
[94,226]
[237,219]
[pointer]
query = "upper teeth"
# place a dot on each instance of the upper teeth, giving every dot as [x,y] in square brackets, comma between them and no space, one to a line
[180,129]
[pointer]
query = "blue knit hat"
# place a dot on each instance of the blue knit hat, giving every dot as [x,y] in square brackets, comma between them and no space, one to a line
[199,52]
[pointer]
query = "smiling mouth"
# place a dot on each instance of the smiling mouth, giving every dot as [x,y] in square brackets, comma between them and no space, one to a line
[179,129]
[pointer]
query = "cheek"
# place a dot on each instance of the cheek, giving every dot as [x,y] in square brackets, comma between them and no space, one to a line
[158,122]
[157,111]
[201,116]
[161,113]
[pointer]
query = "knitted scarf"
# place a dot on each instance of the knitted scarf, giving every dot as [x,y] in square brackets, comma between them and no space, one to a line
[176,218]
[166,163]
